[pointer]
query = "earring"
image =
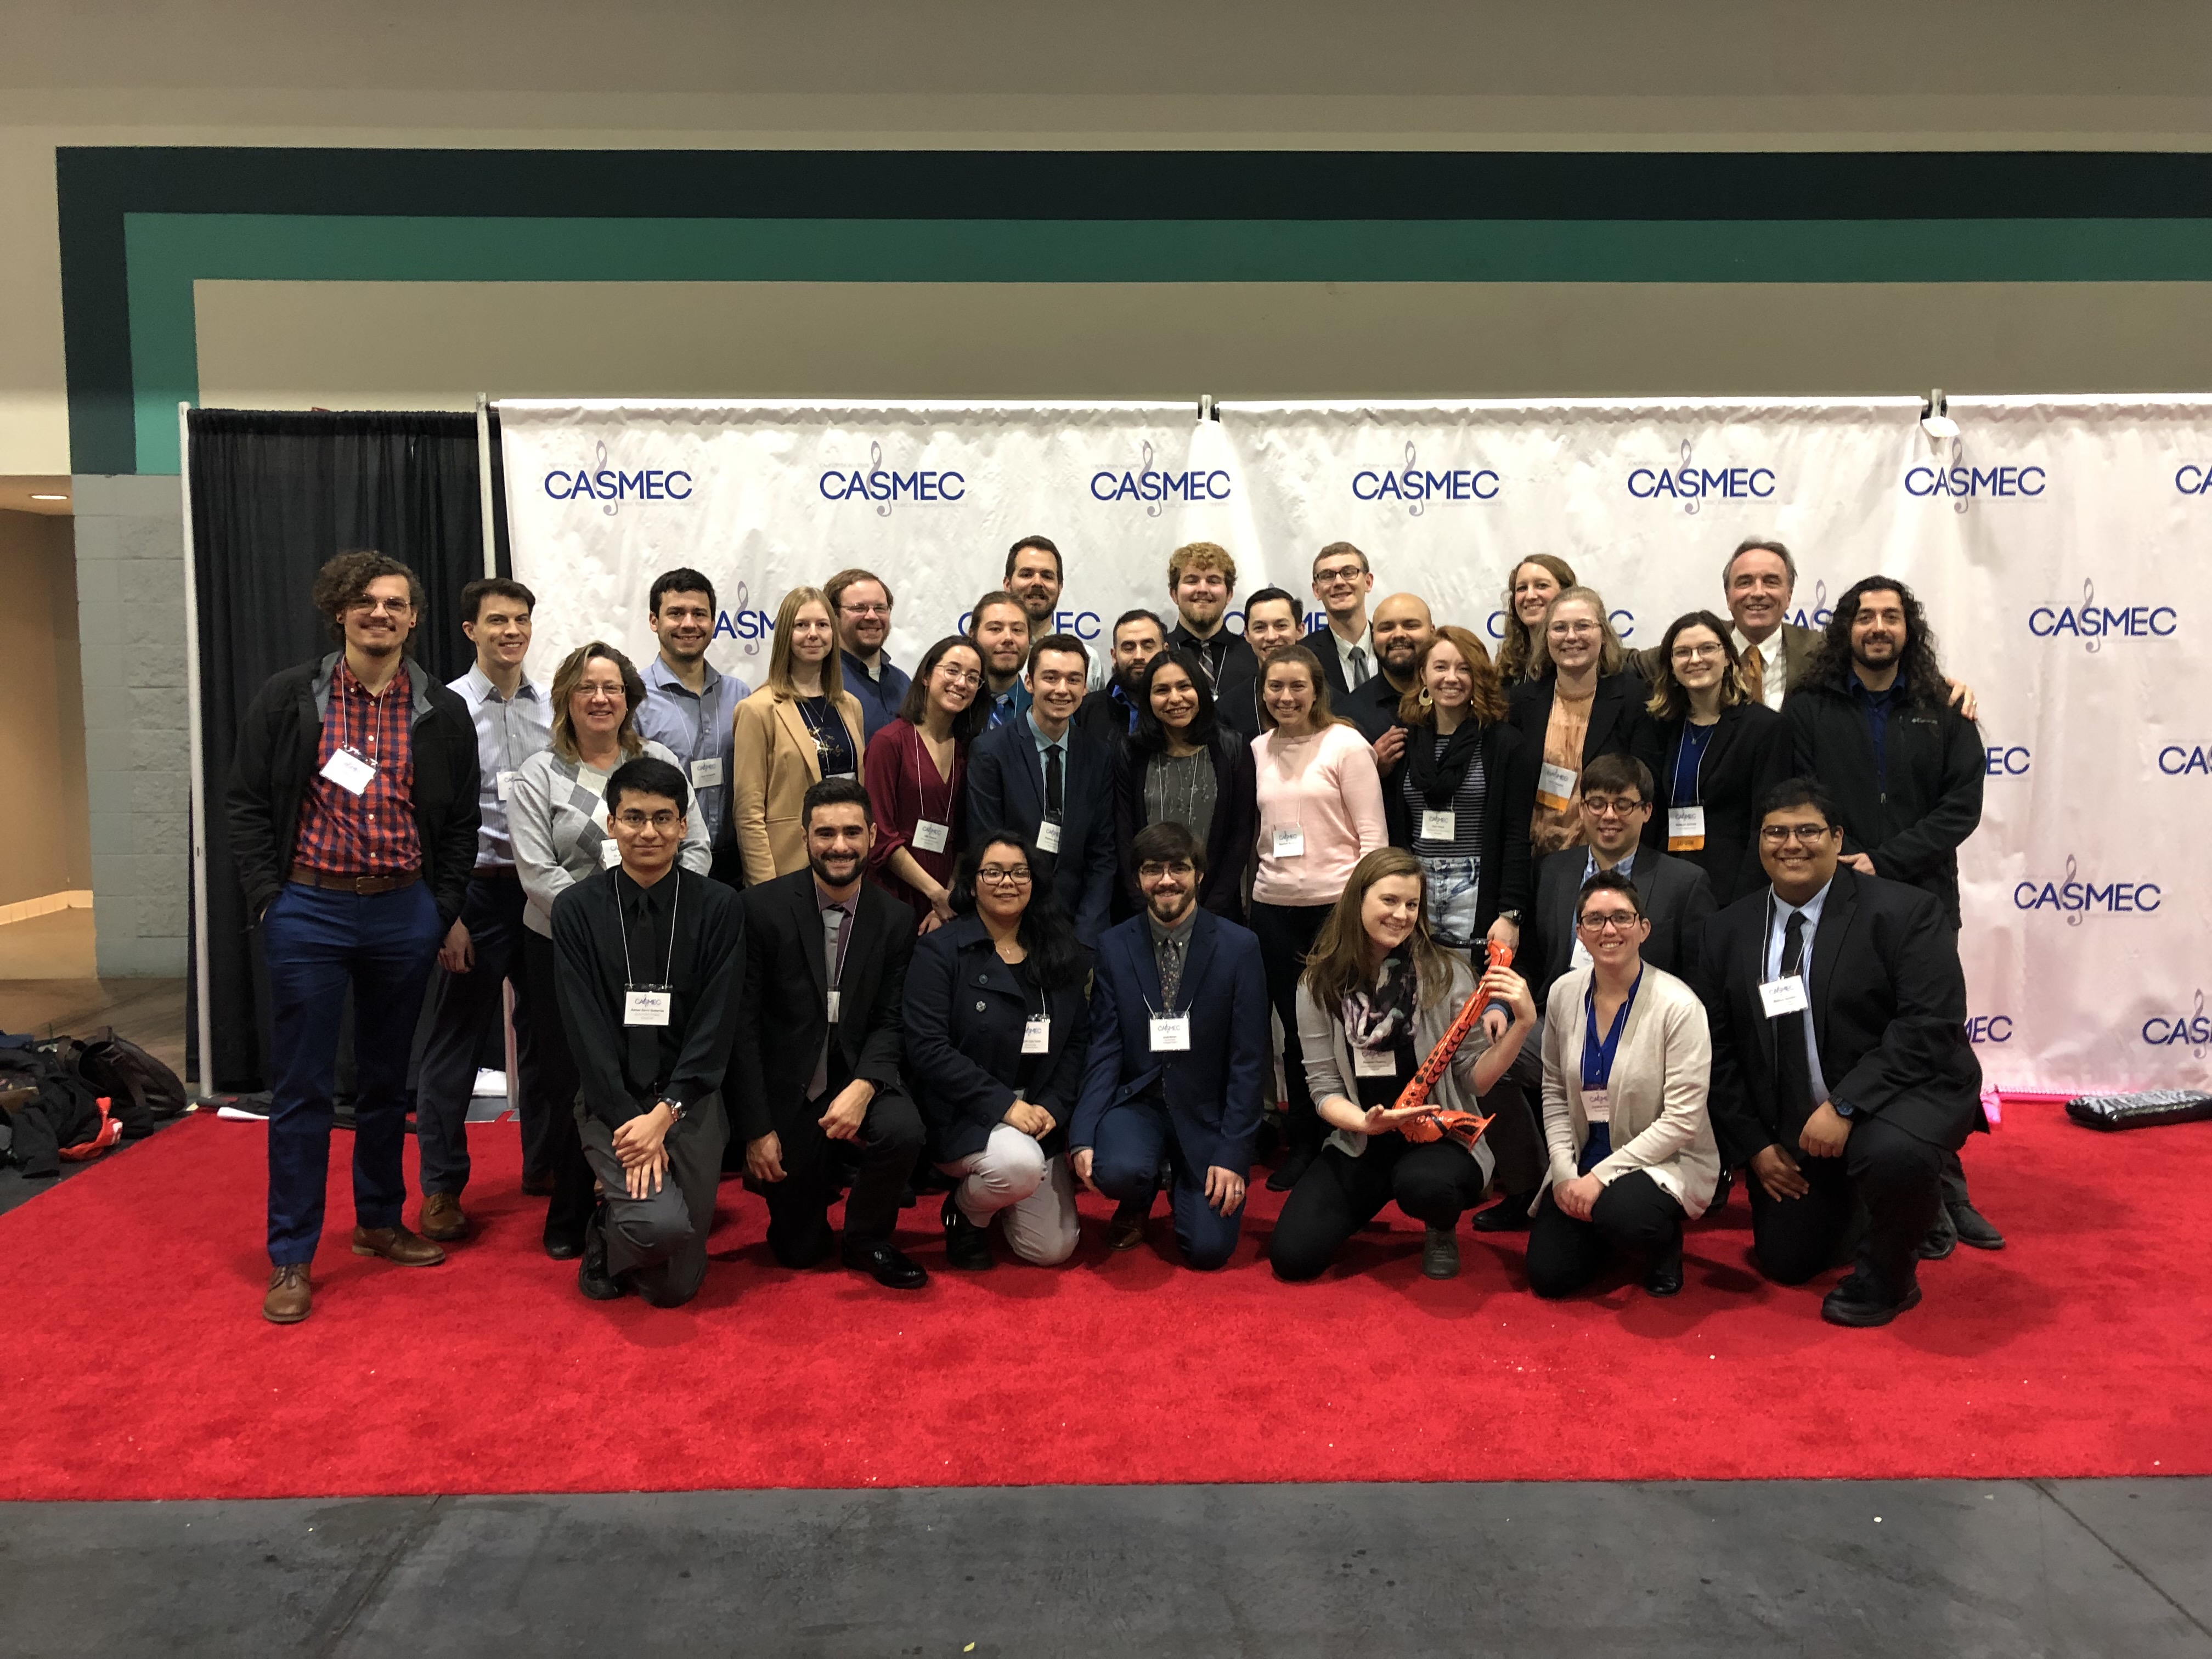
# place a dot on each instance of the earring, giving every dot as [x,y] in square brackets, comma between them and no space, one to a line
[1426,701]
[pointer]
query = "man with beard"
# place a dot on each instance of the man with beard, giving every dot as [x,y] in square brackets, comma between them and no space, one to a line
[1111,712]
[860,609]
[1201,577]
[1000,628]
[1273,618]
[1402,626]
[1871,719]
[1034,577]
[819,1030]
[691,707]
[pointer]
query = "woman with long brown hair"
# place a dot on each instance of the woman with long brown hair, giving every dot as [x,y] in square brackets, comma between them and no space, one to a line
[799,728]
[917,775]
[1531,587]
[1581,700]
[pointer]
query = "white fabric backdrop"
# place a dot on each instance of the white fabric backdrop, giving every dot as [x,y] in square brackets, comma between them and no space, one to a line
[2059,543]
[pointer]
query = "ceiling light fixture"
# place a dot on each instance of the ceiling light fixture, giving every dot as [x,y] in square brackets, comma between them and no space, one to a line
[38,497]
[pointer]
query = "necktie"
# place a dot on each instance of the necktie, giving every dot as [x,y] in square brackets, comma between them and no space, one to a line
[833,922]
[647,958]
[1358,667]
[1793,1076]
[1170,967]
[1754,673]
[1055,800]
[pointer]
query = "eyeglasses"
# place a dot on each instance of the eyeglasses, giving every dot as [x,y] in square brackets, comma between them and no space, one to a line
[380,607]
[663,820]
[1599,927]
[1811,834]
[960,676]
[992,875]
[1342,572]
[1696,653]
[866,609]
[1154,872]
[1577,629]
[1611,806]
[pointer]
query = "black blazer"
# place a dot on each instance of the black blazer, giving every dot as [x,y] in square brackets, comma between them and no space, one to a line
[786,1010]
[1673,893]
[1373,708]
[1508,801]
[1240,664]
[965,1012]
[1005,792]
[1239,711]
[1104,716]
[1889,1018]
[1229,838]
[1747,756]
[1616,714]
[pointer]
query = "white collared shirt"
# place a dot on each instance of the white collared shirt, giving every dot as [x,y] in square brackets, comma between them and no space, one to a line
[1783,910]
[1344,649]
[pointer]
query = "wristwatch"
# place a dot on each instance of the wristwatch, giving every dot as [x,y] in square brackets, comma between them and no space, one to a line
[1513,916]
[675,1110]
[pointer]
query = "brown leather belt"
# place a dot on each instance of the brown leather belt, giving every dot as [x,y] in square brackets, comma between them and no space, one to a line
[361,886]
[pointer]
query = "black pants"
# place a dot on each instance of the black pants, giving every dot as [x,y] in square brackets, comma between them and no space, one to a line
[572,1199]
[1514,1140]
[798,1232]
[1893,1173]
[660,1241]
[461,1005]
[1434,1183]
[1633,1213]
[1286,933]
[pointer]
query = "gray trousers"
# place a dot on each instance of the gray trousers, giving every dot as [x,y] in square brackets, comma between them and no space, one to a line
[660,1241]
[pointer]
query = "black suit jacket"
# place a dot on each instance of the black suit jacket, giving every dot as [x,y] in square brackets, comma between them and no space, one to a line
[785,1008]
[1104,716]
[1240,664]
[1373,708]
[1889,1018]
[1228,837]
[1508,801]
[1747,756]
[1321,641]
[1617,715]
[1675,895]
[1005,793]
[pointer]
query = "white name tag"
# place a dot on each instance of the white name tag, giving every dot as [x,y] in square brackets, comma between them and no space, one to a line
[646,1007]
[1374,1062]
[1171,1034]
[1784,996]
[348,771]
[1290,843]
[1686,829]
[832,1014]
[593,779]
[707,774]
[610,854]
[1047,836]
[503,785]
[1036,1035]
[1555,785]
[1439,826]
[929,837]
[1597,1105]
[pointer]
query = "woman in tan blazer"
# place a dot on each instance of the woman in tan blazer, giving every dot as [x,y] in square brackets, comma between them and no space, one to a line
[1627,1060]
[801,728]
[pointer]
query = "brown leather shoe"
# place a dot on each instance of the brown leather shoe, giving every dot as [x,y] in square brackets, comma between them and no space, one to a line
[289,1296]
[398,1246]
[442,1219]
[1127,1230]
[538,1185]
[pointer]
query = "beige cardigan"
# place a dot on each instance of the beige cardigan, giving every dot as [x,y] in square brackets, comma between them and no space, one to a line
[772,763]
[1660,1077]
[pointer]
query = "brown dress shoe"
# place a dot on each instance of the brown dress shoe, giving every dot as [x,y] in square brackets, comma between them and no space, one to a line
[538,1185]
[442,1219]
[289,1295]
[398,1246]
[1127,1230]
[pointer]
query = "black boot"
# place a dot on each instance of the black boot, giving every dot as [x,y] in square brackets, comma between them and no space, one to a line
[966,1244]
[1508,1215]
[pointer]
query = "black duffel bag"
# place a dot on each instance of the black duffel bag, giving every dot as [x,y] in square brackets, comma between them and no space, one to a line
[2144,1110]
[142,1092]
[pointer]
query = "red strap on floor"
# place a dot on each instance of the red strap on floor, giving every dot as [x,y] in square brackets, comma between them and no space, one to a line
[111,1131]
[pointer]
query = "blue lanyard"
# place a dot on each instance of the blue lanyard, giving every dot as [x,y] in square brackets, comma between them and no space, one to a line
[1597,1056]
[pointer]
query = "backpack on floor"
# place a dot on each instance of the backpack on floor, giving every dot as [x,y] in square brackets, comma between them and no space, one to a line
[64,1118]
[143,1092]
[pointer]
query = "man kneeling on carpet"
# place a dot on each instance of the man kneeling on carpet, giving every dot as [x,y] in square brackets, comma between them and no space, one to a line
[1841,1069]
[646,956]
[1378,995]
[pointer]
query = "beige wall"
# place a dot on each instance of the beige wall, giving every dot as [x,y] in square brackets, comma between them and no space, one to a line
[49,849]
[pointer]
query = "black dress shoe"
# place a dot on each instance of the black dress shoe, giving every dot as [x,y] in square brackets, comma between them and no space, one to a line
[966,1244]
[1295,1164]
[592,1278]
[1439,1253]
[1943,1238]
[563,1245]
[1973,1227]
[1859,1301]
[1722,1189]
[1508,1215]
[894,1270]
[1664,1278]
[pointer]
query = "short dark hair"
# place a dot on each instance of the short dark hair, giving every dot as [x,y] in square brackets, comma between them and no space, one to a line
[344,579]
[1164,842]
[1337,550]
[1056,642]
[1297,606]
[682,580]
[489,587]
[1138,615]
[647,775]
[1620,772]
[835,792]
[1791,793]
[1043,544]
[1608,881]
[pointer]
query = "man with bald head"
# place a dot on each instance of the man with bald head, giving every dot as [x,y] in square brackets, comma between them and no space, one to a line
[1402,626]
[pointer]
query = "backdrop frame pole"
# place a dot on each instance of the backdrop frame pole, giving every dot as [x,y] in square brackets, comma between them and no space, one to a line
[203,1086]
[484,484]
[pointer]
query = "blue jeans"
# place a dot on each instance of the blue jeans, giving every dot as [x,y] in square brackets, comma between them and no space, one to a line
[1131,1141]
[1455,890]
[316,942]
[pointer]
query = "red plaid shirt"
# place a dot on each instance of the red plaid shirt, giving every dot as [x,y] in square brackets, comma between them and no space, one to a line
[371,834]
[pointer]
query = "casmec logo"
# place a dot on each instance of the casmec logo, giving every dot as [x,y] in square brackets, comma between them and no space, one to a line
[610,486]
[1083,625]
[1815,615]
[2193,1028]
[884,486]
[1416,486]
[2195,761]
[1960,482]
[2093,623]
[2193,480]
[2076,898]
[1155,487]
[1624,624]
[743,622]
[1693,484]
[2002,762]
[1989,1028]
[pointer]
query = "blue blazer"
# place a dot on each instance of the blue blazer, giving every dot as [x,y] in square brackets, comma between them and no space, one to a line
[1214,1092]
[1005,792]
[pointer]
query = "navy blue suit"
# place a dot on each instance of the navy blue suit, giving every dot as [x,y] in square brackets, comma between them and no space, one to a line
[1005,793]
[1192,1109]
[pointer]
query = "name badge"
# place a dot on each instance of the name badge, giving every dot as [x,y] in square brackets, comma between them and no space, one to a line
[503,786]
[1290,843]
[1439,826]
[1036,1035]
[929,837]
[1047,836]
[1374,1062]
[1171,1034]
[646,1007]
[610,854]
[347,770]
[1784,996]
[1597,1105]
[832,1014]
[1686,829]
[1555,785]
[707,774]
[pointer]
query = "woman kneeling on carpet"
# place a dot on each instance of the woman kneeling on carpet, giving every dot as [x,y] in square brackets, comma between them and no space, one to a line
[1377,994]
[1627,1059]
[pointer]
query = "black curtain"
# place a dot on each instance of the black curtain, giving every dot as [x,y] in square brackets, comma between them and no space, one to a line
[274,495]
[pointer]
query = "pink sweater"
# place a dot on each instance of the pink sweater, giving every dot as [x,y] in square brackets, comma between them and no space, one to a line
[1325,786]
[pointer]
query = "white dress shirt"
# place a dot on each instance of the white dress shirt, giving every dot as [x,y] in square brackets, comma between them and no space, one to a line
[1774,665]
[1778,922]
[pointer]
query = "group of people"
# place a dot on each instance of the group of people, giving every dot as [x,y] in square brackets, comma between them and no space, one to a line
[992,929]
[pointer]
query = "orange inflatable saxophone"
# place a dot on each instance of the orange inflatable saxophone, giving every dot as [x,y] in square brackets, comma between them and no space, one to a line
[1465,1128]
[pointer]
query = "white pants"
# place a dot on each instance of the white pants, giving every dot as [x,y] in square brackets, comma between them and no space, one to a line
[1037,1194]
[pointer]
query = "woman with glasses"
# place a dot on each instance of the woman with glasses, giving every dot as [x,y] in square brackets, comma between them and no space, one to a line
[1179,766]
[1535,582]
[917,772]
[556,817]
[1580,701]
[1378,995]
[1714,750]
[1627,1062]
[799,728]
[997,1031]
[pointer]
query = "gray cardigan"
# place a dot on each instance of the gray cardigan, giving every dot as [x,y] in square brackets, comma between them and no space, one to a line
[559,829]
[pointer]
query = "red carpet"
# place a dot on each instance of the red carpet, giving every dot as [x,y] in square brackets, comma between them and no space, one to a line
[137,1364]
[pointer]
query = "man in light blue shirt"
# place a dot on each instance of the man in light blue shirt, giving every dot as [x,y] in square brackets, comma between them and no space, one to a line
[691,707]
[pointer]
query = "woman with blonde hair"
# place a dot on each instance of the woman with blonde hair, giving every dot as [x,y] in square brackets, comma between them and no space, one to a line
[801,728]
[1581,700]
[1529,590]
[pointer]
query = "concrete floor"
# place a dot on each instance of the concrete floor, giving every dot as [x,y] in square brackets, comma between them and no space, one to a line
[56,945]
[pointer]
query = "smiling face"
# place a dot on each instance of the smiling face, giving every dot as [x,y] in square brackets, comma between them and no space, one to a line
[598,705]
[1288,692]
[1201,597]
[864,617]
[1002,635]
[1697,659]
[838,839]
[1035,580]
[1003,883]
[1758,591]
[954,682]
[1175,699]
[1388,911]
[813,637]
[1446,676]
[1269,626]
[1341,581]
[648,831]
[1533,589]
[500,632]
[378,622]
[1878,632]
[1575,635]
[683,624]
[1056,685]
[1611,930]
[1170,887]
[1402,626]
[1799,849]
[1135,644]
[1613,820]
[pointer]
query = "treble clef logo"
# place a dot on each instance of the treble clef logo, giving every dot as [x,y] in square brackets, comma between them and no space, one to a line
[613,507]
[876,466]
[1821,614]
[2095,641]
[2073,916]
[1959,503]
[1694,502]
[1152,509]
[744,602]
[2197,1025]
[1415,506]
